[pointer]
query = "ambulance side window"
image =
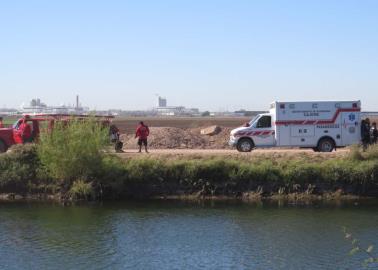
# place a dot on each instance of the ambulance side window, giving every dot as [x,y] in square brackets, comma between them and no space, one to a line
[264,122]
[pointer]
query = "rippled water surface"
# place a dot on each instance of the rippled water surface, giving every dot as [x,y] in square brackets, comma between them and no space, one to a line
[177,235]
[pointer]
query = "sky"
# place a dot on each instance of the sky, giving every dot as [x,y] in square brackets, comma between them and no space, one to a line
[210,54]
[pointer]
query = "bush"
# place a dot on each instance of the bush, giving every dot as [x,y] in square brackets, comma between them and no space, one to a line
[19,168]
[80,190]
[73,150]
[372,152]
[296,172]
[355,153]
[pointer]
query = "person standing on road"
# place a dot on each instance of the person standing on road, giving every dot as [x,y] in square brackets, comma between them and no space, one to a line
[365,133]
[368,127]
[25,131]
[374,133]
[115,138]
[1,122]
[142,133]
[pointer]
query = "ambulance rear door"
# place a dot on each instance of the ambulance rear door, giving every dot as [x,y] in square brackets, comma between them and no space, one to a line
[350,128]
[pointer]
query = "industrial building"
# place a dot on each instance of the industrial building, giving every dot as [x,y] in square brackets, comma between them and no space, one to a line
[37,107]
[163,110]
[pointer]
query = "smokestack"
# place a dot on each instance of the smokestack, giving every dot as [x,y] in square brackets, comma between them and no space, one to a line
[77,101]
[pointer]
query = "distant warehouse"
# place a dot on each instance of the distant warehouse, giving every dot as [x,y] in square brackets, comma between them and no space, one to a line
[163,110]
[176,111]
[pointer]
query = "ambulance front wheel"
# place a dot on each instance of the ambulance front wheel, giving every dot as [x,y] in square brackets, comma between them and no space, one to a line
[326,145]
[245,145]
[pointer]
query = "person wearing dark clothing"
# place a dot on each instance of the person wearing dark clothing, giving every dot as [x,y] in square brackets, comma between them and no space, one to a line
[365,133]
[1,122]
[374,133]
[368,127]
[142,133]
[115,138]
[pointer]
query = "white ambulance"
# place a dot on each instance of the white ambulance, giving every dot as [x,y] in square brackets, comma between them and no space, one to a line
[320,125]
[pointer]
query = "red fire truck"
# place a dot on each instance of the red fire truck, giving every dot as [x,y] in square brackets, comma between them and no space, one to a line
[12,135]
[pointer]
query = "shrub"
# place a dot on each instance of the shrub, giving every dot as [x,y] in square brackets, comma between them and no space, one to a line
[372,152]
[73,150]
[80,190]
[18,168]
[296,172]
[355,153]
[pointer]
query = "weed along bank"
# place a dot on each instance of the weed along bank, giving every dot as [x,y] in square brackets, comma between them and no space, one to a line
[65,175]
[320,125]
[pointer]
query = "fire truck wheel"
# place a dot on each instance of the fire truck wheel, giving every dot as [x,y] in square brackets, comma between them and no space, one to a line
[245,145]
[3,147]
[326,145]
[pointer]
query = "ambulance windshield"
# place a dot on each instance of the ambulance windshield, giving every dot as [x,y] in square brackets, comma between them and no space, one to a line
[254,119]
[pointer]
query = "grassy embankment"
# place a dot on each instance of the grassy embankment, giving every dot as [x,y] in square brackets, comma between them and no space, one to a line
[72,163]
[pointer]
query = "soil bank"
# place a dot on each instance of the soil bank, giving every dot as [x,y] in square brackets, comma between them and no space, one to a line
[272,174]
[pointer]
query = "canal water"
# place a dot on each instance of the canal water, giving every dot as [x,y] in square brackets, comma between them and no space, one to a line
[178,235]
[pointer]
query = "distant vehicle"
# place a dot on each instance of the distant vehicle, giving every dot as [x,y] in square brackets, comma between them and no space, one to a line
[12,135]
[320,125]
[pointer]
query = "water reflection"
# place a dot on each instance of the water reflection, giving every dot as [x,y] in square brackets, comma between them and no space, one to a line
[179,235]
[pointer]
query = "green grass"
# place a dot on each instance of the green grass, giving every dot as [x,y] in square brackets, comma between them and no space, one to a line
[219,176]
[81,190]
[82,172]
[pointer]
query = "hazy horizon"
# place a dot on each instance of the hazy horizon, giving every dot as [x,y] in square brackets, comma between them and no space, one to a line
[213,55]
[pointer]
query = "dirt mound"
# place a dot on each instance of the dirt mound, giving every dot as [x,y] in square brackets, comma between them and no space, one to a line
[180,138]
[128,124]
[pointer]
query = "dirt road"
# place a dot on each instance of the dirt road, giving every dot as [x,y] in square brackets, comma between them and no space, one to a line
[175,137]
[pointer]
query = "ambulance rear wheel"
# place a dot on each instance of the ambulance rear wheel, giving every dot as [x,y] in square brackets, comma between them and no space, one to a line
[326,145]
[245,145]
